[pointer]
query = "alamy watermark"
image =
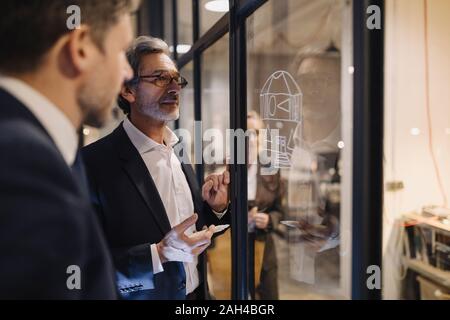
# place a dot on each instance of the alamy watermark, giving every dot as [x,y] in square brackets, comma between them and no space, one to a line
[374,279]
[213,147]
[374,20]
[74,19]
[73,281]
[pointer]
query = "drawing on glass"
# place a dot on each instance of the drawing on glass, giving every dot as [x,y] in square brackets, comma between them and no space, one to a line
[281,108]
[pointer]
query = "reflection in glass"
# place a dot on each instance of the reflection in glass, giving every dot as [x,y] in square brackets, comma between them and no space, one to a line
[265,211]
[297,54]
[215,115]
[186,120]
[184,25]
[215,101]
[168,23]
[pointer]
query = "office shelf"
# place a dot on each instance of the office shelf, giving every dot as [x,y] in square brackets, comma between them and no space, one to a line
[433,223]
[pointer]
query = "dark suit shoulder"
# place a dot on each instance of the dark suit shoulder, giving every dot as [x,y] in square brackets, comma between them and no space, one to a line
[104,144]
[23,142]
[47,223]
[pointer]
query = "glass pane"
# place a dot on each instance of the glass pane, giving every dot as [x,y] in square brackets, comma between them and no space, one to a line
[215,103]
[416,226]
[300,129]
[186,120]
[210,12]
[184,25]
[215,121]
[168,23]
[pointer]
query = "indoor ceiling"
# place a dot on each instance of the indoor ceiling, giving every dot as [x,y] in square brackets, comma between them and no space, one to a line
[280,26]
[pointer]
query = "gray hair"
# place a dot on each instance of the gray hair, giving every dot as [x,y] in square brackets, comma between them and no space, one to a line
[141,46]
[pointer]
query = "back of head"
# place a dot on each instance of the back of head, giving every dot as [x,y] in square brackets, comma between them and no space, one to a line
[29,29]
[71,51]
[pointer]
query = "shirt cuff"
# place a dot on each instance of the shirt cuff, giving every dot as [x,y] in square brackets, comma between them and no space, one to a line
[156,261]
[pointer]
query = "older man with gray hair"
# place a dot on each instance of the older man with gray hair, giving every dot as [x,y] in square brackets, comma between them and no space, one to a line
[144,195]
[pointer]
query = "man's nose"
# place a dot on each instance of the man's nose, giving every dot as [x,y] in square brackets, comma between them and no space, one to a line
[174,88]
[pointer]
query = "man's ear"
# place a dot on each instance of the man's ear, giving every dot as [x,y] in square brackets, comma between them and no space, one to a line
[83,53]
[128,94]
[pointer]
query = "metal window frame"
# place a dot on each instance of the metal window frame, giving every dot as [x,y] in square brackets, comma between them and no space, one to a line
[175,41]
[368,107]
[197,65]
[368,111]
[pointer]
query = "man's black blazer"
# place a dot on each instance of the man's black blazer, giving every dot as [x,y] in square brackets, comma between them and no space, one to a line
[133,215]
[46,221]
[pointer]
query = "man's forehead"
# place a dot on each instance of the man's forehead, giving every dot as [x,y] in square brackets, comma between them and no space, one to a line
[157,61]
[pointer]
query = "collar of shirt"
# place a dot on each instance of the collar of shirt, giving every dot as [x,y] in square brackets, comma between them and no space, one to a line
[145,144]
[58,126]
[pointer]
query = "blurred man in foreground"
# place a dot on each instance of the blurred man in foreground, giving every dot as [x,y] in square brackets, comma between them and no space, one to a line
[54,78]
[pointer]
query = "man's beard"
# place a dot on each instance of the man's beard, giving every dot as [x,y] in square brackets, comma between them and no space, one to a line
[156,112]
[95,106]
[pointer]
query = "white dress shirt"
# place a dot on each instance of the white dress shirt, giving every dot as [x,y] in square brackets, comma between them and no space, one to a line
[55,122]
[165,170]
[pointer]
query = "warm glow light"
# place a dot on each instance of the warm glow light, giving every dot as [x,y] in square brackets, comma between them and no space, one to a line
[181,48]
[217,6]
[415,131]
[86,131]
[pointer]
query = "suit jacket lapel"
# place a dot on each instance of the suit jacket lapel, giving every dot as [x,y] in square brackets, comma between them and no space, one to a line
[139,175]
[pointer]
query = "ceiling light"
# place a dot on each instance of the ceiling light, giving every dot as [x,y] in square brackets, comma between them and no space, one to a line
[217,6]
[181,48]
[341,144]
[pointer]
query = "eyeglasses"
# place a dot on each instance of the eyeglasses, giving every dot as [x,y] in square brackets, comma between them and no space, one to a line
[164,79]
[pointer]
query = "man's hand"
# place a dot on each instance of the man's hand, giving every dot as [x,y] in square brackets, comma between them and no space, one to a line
[177,246]
[215,191]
